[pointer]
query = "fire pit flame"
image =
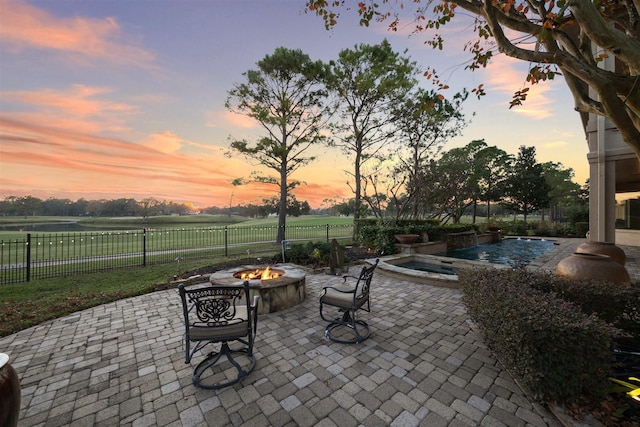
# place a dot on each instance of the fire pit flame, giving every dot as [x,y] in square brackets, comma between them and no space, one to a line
[262,274]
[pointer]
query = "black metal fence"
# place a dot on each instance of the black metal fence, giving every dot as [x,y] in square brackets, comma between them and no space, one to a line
[45,255]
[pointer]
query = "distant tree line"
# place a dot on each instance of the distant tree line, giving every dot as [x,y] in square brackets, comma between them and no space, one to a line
[32,206]
[268,207]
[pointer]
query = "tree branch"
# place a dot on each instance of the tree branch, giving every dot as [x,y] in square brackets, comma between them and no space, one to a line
[605,35]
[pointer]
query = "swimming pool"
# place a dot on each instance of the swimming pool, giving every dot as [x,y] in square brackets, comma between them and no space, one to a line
[513,252]
[436,269]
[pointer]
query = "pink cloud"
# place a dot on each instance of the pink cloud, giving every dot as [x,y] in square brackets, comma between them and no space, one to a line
[221,119]
[78,100]
[23,26]
[165,142]
[51,162]
[507,75]
[78,108]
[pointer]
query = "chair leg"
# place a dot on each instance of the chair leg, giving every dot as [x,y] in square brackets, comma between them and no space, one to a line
[360,328]
[213,359]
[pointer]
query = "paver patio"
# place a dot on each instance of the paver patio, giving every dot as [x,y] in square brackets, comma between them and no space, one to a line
[424,365]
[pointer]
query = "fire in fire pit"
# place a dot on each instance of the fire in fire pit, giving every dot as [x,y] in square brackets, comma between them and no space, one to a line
[259,273]
[282,291]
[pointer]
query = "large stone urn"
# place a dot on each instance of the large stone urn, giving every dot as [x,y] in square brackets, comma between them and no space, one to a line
[9,393]
[584,266]
[603,248]
[406,239]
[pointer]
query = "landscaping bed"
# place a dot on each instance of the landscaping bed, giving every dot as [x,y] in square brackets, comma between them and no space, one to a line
[557,337]
[304,257]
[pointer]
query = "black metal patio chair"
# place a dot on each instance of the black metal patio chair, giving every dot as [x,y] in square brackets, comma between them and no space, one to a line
[348,298]
[222,316]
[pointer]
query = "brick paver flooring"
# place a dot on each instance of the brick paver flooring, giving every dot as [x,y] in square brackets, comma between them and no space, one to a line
[425,365]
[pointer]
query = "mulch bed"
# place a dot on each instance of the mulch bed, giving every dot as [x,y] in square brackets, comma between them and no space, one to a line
[352,254]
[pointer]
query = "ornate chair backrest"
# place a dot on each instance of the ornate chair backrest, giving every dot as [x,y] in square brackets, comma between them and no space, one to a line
[364,281]
[216,306]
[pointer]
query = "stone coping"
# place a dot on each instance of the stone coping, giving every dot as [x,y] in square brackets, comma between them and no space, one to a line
[389,266]
[292,273]
[275,294]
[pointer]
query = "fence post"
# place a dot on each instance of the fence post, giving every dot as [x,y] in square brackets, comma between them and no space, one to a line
[327,233]
[28,257]
[144,247]
[226,246]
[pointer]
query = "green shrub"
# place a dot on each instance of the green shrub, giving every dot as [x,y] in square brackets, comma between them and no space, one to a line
[518,228]
[559,352]
[581,228]
[615,304]
[378,234]
[578,213]
[511,228]
[551,229]
[310,253]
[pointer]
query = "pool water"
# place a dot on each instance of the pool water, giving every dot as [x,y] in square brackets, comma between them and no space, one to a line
[428,267]
[513,252]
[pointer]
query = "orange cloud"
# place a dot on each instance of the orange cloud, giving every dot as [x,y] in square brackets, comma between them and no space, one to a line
[78,108]
[507,75]
[23,26]
[78,101]
[50,162]
[221,119]
[164,141]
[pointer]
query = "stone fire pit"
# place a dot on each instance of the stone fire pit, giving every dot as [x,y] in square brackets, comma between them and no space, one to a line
[285,291]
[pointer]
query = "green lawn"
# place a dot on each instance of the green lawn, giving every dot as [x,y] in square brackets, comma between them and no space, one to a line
[111,236]
[28,304]
[168,221]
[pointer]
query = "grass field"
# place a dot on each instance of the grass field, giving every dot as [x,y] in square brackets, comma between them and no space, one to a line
[168,221]
[111,236]
[28,304]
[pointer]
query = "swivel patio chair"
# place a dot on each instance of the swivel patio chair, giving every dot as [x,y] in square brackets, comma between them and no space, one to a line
[221,316]
[348,298]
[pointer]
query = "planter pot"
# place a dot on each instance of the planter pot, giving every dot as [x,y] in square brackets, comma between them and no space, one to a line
[603,248]
[583,266]
[9,393]
[406,239]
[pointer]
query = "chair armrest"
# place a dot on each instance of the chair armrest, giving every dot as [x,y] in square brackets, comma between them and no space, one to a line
[254,311]
[340,288]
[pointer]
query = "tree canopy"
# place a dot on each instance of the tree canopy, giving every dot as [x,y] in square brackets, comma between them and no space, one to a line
[526,188]
[286,96]
[426,121]
[571,38]
[367,81]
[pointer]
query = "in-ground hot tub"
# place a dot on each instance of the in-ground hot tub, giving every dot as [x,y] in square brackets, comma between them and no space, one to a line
[428,269]
[284,289]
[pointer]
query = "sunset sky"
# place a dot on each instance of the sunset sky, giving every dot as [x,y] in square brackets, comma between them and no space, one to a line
[111,99]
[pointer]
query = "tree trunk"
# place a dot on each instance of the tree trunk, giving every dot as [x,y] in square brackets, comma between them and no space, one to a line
[475,207]
[358,186]
[282,207]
